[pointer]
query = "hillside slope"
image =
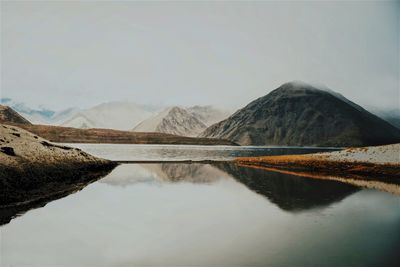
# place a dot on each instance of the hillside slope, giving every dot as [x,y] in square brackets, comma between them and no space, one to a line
[7,114]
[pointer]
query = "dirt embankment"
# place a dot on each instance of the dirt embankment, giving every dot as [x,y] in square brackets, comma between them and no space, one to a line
[74,135]
[380,162]
[32,168]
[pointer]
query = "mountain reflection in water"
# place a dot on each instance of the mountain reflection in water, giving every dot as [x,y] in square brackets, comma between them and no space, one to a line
[288,192]
[207,215]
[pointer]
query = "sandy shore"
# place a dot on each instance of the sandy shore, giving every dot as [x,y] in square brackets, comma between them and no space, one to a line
[378,163]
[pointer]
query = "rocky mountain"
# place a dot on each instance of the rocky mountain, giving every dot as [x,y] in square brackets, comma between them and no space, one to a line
[8,115]
[209,114]
[173,120]
[299,114]
[182,121]
[111,115]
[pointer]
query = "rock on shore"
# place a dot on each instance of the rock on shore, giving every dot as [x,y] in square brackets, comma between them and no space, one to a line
[32,168]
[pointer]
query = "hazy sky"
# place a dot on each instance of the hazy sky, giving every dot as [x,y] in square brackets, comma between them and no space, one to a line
[63,54]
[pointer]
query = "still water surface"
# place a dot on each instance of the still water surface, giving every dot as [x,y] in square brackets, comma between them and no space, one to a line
[207,215]
[124,152]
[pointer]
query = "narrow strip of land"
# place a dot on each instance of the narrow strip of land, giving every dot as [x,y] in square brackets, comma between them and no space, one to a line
[168,161]
[380,162]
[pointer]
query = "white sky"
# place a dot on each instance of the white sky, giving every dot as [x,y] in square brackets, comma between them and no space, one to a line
[63,54]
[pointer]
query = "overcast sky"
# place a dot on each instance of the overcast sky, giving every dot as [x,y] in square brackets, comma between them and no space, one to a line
[62,54]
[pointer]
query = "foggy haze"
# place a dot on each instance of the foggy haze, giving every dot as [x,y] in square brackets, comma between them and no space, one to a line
[62,54]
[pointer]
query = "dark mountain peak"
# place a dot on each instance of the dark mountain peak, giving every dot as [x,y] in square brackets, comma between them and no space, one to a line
[301,114]
[299,88]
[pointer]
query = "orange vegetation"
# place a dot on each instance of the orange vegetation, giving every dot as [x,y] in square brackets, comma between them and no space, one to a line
[323,166]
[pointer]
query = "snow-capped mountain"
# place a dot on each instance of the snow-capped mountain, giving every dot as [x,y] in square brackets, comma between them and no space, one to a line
[112,115]
[173,120]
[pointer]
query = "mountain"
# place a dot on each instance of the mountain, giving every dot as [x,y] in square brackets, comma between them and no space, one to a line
[208,114]
[173,120]
[299,114]
[112,115]
[8,115]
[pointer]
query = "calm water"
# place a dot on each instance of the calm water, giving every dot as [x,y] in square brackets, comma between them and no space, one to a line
[187,152]
[207,215]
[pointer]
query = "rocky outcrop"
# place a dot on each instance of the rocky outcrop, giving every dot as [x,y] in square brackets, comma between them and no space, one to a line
[32,168]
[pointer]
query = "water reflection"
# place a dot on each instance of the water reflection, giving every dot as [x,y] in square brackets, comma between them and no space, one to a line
[128,174]
[288,192]
[17,199]
[125,152]
[175,215]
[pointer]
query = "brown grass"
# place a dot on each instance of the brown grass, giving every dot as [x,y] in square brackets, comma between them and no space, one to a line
[75,135]
[324,166]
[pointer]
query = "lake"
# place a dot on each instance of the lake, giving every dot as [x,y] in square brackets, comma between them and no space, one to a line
[122,152]
[219,214]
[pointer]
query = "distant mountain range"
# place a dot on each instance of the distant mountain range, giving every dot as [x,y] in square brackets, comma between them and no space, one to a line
[299,114]
[294,114]
[181,121]
[125,116]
